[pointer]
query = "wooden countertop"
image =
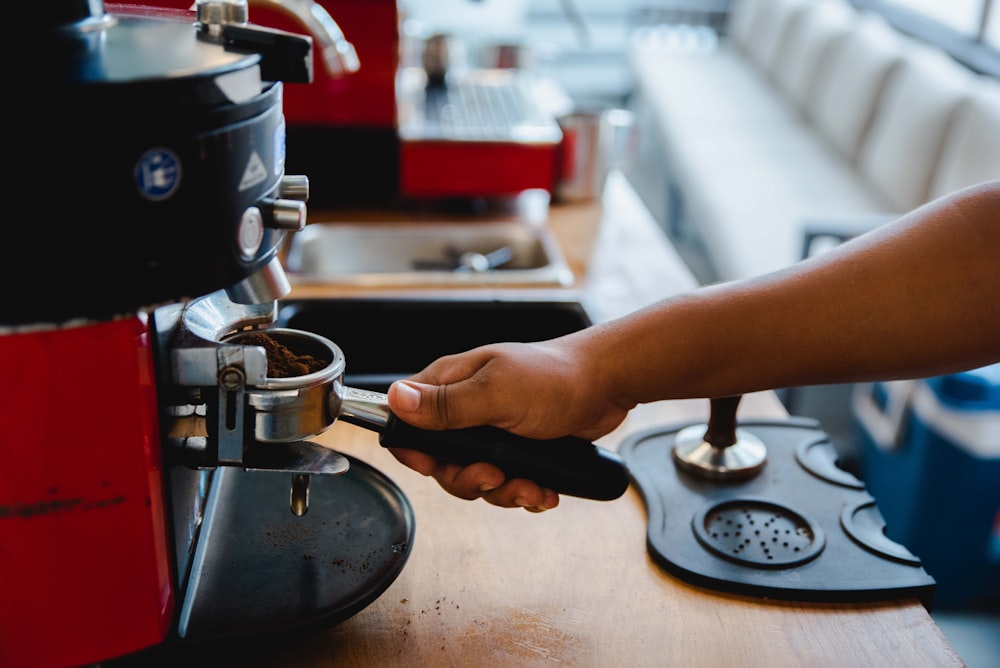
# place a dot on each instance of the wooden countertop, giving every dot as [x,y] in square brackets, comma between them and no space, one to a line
[485,586]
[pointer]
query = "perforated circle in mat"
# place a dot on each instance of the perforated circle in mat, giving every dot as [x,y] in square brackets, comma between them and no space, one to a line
[758,532]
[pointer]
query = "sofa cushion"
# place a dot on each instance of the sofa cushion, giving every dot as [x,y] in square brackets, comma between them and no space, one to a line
[806,51]
[971,151]
[698,86]
[903,146]
[750,195]
[746,17]
[771,34]
[695,91]
[844,101]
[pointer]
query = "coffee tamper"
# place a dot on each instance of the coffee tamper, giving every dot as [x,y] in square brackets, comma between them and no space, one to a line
[719,450]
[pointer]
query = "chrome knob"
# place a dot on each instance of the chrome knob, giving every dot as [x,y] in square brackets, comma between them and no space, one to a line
[284,214]
[215,13]
[294,186]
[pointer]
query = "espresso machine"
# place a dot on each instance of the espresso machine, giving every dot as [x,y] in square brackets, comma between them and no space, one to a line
[138,508]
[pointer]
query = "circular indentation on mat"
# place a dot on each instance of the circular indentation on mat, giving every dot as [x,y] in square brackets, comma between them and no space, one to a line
[757,532]
[864,524]
[819,457]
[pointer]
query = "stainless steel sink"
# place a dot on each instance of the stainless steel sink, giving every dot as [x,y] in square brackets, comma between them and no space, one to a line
[468,253]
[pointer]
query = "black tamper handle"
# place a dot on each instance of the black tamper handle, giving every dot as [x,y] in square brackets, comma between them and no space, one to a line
[567,465]
[721,432]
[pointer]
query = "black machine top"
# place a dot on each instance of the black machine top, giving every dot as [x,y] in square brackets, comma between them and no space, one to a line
[136,139]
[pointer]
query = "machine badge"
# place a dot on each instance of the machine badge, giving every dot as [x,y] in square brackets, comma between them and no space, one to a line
[157,174]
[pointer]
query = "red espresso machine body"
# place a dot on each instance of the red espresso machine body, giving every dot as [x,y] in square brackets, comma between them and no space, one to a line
[146,148]
[83,517]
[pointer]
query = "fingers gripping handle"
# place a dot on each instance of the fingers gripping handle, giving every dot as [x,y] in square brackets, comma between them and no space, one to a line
[567,465]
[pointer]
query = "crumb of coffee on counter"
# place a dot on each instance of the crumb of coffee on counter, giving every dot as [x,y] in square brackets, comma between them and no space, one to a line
[281,361]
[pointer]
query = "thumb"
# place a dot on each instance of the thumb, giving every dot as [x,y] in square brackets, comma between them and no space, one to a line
[418,404]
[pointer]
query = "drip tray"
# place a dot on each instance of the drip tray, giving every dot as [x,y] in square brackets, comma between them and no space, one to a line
[262,576]
[802,529]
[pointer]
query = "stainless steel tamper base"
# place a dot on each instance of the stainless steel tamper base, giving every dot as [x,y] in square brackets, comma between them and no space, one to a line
[719,450]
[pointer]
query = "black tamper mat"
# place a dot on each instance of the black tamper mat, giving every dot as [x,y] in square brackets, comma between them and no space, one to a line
[800,528]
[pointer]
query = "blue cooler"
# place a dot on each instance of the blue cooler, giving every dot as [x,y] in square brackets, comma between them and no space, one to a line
[930,455]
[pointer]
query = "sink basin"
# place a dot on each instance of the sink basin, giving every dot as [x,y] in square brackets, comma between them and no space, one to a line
[377,254]
[384,339]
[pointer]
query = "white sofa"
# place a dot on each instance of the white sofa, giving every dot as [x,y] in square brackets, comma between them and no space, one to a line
[804,114]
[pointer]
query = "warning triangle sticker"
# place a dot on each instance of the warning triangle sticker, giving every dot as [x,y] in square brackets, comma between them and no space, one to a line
[254,174]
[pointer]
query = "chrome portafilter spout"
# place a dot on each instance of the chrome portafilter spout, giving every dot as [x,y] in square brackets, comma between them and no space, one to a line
[720,450]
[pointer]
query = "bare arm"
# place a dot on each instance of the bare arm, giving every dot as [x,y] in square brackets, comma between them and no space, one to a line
[918,297]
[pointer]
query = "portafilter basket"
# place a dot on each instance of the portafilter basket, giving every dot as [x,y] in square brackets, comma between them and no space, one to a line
[295,408]
[298,407]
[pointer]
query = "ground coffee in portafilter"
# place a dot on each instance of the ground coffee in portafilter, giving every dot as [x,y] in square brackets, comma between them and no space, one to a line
[282,362]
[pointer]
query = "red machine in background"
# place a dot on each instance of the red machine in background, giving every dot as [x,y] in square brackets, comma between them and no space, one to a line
[371,128]
[342,129]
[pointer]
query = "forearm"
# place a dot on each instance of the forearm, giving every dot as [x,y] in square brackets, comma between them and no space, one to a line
[918,297]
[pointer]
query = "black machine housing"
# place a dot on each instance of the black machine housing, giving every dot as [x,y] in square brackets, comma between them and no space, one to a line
[135,143]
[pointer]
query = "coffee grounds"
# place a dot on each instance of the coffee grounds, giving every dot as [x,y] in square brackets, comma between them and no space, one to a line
[282,362]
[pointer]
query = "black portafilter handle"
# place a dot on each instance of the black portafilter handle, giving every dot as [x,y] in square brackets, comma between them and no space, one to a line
[566,465]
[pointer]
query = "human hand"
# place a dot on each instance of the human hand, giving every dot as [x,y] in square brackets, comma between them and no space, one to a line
[538,390]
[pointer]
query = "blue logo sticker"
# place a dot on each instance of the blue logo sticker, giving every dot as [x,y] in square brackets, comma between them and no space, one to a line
[157,174]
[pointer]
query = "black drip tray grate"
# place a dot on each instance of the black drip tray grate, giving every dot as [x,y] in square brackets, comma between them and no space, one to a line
[801,529]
